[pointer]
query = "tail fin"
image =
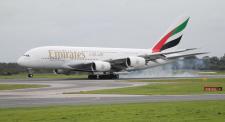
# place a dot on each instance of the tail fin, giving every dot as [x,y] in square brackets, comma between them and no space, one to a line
[172,37]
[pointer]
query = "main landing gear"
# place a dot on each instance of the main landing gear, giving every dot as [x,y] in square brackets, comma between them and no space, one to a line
[104,76]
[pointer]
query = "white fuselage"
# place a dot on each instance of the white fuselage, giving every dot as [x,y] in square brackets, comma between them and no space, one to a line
[57,57]
[107,60]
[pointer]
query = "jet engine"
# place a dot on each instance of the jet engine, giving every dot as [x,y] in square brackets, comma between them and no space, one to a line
[101,66]
[61,71]
[135,62]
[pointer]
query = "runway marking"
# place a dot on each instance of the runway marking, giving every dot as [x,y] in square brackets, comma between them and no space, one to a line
[53,95]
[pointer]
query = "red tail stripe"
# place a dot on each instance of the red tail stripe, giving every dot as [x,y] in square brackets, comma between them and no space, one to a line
[159,45]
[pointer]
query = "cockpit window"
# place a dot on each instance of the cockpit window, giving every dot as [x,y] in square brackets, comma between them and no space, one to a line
[26,55]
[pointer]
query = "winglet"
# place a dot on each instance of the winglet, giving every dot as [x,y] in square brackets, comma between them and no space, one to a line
[172,37]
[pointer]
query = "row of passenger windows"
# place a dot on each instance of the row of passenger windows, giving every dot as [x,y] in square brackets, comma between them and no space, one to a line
[64,59]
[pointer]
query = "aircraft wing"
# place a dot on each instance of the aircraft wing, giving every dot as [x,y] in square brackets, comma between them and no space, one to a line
[121,64]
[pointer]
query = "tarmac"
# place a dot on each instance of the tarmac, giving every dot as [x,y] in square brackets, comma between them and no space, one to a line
[54,94]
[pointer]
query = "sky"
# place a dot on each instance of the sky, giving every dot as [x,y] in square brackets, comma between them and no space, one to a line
[25,24]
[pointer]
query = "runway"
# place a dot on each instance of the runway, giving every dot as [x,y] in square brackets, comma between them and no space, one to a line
[53,95]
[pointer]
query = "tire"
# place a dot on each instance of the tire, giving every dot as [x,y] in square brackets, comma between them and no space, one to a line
[30,75]
[116,76]
[92,77]
[109,76]
[104,77]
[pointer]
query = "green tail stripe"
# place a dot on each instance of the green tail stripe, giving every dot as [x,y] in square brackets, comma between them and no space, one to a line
[180,27]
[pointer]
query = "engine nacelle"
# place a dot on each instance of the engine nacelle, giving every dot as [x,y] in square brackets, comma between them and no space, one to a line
[61,71]
[101,66]
[135,62]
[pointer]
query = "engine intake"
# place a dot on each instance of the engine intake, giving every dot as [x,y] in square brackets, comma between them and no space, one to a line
[135,62]
[61,71]
[101,66]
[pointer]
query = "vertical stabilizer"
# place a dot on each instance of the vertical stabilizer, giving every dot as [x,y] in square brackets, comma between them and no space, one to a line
[172,37]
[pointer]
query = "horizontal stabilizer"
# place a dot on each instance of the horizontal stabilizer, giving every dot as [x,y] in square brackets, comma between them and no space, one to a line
[186,55]
[172,52]
[162,54]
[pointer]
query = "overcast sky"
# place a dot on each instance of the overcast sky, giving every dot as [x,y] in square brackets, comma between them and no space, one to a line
[25,24]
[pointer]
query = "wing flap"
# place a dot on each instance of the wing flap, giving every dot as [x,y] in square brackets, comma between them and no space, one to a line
[186,55]
[161,55]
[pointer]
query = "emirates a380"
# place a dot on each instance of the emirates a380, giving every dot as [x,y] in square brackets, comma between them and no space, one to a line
[108,63]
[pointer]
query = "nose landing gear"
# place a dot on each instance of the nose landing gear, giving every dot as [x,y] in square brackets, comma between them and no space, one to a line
[30,73]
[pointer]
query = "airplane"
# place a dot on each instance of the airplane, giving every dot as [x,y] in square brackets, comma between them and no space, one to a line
[107,63]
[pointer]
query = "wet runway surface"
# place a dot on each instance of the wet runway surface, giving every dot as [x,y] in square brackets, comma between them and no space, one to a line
[53,95]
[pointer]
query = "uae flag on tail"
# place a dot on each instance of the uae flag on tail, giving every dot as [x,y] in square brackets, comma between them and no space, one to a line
[172,37]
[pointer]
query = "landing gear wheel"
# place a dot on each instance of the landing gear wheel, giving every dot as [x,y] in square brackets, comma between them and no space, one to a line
[92,77]
[109,76]
[30,75]
[116,76]
[104,77]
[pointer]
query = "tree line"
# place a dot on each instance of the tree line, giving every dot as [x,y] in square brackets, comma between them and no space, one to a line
[204,63]
[194,63]
[14,68]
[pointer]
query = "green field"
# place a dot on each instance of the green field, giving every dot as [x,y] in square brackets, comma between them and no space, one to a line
[197,111]
[211,72]
[19,86]
[24,76]
[179,86]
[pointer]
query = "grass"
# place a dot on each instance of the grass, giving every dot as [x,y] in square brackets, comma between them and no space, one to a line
[196,111]
[181,86]
[211,72]
[51,76]
[19,86]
